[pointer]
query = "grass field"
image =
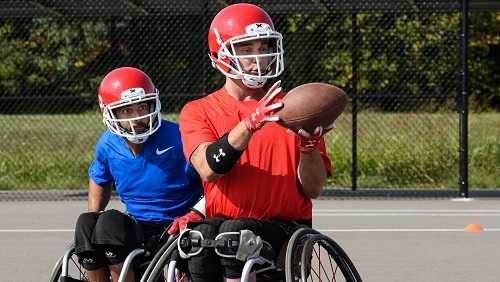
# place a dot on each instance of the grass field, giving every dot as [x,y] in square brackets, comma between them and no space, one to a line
[394,150]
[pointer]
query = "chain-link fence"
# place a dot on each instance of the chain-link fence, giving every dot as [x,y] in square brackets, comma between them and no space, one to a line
[400,62]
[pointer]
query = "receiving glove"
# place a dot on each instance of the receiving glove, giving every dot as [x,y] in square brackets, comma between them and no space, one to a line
[181,223]
[264,111]
[308,142]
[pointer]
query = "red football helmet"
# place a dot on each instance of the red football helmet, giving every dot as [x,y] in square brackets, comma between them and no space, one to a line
[123,87]
[241,23]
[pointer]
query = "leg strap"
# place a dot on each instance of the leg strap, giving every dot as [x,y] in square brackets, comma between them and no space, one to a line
[240,245]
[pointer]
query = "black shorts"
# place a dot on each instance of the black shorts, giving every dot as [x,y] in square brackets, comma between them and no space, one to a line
[208,264]
[106,238]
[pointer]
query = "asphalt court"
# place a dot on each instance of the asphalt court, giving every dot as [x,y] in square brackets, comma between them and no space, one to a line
[388,240]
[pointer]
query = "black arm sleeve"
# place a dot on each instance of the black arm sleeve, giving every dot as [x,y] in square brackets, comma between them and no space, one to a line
[221,156]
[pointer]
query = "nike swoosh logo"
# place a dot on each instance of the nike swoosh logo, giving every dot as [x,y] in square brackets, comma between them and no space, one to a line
[161,152]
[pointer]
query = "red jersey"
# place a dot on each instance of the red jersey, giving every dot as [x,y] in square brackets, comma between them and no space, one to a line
[263,184]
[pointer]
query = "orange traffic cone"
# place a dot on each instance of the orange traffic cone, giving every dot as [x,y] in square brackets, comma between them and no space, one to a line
[473,227]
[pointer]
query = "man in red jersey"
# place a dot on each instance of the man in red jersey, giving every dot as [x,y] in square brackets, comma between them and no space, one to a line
[256,175]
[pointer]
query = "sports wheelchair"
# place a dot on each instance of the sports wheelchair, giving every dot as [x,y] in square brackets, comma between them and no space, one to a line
[68,269]
[308,256]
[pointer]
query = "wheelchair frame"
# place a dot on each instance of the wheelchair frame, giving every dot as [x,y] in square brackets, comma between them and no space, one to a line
[60,269]
[297,255]
[161,257]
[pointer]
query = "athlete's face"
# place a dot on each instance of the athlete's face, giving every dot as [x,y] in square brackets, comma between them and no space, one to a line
[134,111]
[251,48]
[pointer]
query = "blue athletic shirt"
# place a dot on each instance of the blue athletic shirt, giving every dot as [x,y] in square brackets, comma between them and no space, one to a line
[158,184]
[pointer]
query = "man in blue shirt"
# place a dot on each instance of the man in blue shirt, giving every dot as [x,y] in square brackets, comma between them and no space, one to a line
[141,156]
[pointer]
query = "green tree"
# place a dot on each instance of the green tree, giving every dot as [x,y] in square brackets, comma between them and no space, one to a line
[484,60]
[49,57]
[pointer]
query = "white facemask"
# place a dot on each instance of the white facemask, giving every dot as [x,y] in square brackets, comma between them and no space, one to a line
[154,117]
[254,32]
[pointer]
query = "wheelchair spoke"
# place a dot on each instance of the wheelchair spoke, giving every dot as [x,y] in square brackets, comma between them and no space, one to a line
[81,271]
[331,267]
[322,264]
[181,276]
[317,252]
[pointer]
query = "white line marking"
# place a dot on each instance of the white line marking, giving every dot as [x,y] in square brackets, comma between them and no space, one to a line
[462,199]
[405,210]
[408,214]
[34,230]
[404,230]
[320,230]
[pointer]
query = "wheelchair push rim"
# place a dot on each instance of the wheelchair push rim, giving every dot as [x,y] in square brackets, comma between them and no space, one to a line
[161,260]
[75,270]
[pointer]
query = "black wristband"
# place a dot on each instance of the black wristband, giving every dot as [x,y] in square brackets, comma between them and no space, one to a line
[221,156]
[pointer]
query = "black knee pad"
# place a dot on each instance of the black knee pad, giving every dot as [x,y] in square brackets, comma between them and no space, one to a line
[84,230]
[91,260]
[87,219]
[232,266]
[115,254]
[206,265]
[236,225]
[117,229]
[209,228]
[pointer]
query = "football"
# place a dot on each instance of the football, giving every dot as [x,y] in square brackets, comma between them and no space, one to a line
[310,105]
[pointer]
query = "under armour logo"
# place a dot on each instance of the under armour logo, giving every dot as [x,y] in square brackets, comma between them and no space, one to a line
[254,115]
[217,157]
[88,260]
[109,254]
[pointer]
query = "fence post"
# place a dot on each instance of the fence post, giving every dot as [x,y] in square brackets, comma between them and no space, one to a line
[354,100]
[464,106]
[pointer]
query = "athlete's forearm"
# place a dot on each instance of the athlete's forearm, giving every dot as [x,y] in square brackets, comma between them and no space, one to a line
[311,174]
[199,161]
[98,196]
[237,138]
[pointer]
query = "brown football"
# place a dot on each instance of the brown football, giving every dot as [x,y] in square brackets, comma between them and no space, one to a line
[310,105]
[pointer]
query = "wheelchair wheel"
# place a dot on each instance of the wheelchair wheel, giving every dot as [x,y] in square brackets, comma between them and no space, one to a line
[312,256]
[159,265]
[75,270]
[56,271]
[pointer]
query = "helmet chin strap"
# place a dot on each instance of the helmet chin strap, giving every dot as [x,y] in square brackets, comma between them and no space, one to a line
[253,83]
[136,140]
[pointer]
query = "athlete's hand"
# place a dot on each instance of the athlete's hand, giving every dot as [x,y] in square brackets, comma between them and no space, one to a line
[181,223]
[308,142]
[264,111]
